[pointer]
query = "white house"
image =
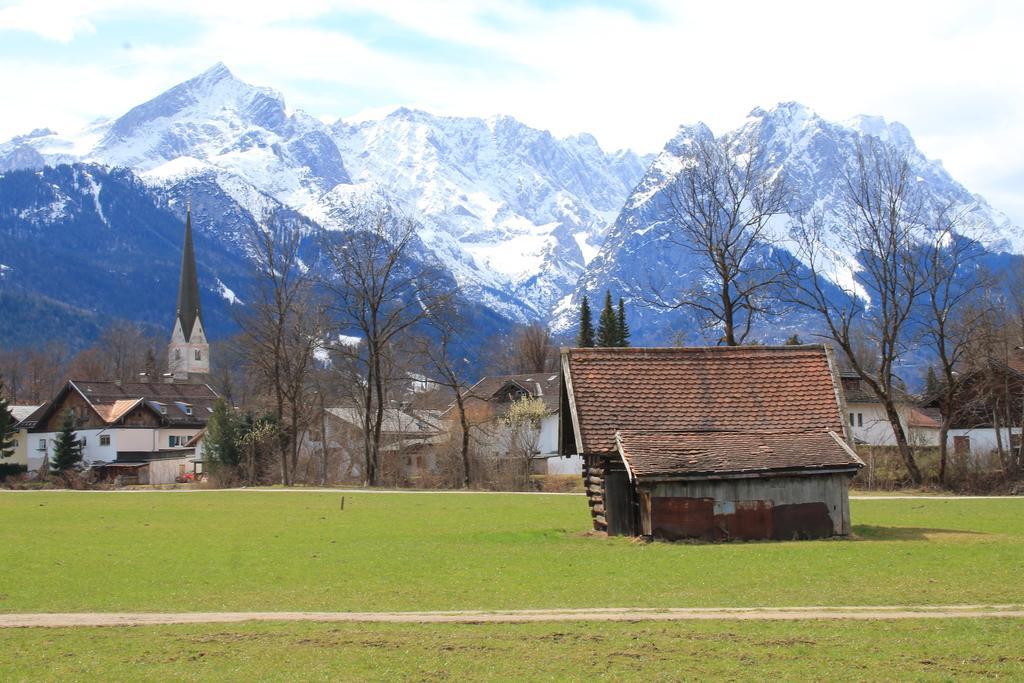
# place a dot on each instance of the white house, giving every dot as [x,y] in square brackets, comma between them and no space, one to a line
[869,423]
[21,450]
[138,430]
[488,401]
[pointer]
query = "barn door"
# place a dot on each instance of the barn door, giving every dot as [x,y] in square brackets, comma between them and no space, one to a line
[619,504]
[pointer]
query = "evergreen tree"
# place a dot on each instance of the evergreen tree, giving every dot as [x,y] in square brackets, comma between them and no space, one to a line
[608,324]
[623,331]
[794,341]
[223,430]
[7,422]
[67,449]
[585,338]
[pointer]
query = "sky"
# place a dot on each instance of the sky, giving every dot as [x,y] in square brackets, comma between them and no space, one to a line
[627,72]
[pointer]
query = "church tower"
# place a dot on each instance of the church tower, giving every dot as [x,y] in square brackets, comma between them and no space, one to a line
[188,353]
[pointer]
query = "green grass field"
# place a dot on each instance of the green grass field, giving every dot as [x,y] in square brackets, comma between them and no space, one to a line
[276,551]
[214,551]
[921,650]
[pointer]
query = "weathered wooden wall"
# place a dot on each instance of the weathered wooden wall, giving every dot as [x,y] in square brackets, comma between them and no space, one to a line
[782,508]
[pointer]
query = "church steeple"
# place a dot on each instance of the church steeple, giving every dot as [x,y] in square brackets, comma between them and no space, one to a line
[188,354]
[189,309]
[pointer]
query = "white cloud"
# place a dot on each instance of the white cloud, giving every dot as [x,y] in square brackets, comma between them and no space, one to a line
[948,70]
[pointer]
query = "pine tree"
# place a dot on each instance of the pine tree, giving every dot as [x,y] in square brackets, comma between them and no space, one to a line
[794,340]
[623,331]
[220,443]
[608,324]
[7,422]
[67,449]
[585,338]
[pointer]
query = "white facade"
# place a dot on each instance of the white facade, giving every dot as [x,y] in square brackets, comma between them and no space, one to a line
[981,441]
[103,445]
[188,357]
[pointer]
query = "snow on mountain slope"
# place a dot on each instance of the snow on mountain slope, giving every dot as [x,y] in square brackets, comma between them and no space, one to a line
[811,153]
[513,212]
[511,207]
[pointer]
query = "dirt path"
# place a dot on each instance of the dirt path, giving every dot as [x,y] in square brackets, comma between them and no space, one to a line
[516,616]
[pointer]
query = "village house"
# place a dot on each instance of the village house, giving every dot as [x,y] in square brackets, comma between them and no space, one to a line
[869,423]
[989,413]
[21,455]
[139,431]
[487,402]
[408,443]
[714,443]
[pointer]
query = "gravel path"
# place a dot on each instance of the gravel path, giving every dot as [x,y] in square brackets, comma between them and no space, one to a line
[517,616]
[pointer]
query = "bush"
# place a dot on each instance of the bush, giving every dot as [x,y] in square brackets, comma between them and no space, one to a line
[11,469]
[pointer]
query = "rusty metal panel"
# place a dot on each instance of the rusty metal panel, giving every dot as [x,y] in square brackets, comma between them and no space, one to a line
[744,520]
[802,520]
[673,519]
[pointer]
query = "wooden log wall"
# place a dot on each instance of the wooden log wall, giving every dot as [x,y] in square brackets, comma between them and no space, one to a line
[593,480]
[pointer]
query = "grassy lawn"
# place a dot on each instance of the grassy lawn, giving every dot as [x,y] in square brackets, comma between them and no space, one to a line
[917,649]
[212,551]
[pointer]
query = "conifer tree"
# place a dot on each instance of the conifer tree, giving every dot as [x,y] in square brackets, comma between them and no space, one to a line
[67,449]
[585,338]
[608,324]
[623,331]
[794,340]
[7,423]
[223,430]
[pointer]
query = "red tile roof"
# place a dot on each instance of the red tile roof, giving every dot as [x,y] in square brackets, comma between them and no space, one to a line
[743,389]
[653,454]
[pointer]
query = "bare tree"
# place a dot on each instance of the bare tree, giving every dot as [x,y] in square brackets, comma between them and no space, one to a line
[534,349]
[282,327]
[449,369]
[956,311]
[379,293]
[880,222]
[720,205]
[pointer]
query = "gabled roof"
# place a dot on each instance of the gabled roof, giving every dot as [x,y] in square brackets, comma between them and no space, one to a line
[395,421]
[22,412]
[111,401]
[542,385]
[740,389]
[676,454]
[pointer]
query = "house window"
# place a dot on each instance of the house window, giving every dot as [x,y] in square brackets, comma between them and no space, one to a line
[188,410]
[176,441]
[42,444]
[199,354]
[15,443]
[104,439]
[853,422]
[860,419]
[177,354]
[82,441]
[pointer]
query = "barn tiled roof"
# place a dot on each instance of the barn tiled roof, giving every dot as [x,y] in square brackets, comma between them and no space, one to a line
[653,454]
[741,389]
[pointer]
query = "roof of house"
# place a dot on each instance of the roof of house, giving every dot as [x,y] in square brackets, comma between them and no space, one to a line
[542,385]
[21,412]
[654,454]
[175,403]
[395,421]
[741,389]
[924,418]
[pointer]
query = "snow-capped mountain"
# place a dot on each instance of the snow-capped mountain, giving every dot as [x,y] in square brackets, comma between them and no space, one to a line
[513,212]
[507,206]
[812,154]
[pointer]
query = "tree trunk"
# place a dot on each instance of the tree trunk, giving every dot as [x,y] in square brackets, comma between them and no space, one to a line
[464,422]
[902,444]
[943,449]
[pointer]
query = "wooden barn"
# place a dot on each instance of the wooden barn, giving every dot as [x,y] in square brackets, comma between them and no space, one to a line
[711,443]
